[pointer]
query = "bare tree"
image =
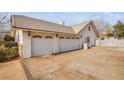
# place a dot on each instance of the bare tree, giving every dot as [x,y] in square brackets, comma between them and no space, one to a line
[4,24]
[4,19]
[104,28]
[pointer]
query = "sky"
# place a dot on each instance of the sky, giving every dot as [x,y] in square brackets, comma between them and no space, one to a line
[71,18]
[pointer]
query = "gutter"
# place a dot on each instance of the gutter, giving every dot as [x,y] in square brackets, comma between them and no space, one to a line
[43,30]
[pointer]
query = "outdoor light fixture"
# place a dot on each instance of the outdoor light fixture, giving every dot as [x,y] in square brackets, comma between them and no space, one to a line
[29,33]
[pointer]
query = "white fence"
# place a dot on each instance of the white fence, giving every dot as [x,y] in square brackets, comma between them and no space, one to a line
[110,42]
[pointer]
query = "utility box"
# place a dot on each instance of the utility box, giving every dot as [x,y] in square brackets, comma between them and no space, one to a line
[85,46]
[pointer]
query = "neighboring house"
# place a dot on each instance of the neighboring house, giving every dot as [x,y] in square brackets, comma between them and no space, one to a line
[37,37]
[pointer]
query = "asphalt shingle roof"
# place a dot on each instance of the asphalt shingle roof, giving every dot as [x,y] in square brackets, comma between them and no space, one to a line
[21,21]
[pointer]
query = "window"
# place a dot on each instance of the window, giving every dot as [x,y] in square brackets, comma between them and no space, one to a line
[89,28]
[61,37]
[48,37]
[37,36]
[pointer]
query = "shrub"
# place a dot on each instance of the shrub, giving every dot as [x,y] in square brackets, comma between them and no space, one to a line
[110,34]
[14,52]
[8,53]
[8,38]
[4,53]
[2,56]
[8,49]
[0,44]
[10,44]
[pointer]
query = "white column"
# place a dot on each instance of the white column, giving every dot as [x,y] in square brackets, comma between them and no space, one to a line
[19,39]
[26,45]
[55,45]
[81,41]
[17,36]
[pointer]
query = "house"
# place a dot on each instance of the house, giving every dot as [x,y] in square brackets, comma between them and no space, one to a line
[38,37]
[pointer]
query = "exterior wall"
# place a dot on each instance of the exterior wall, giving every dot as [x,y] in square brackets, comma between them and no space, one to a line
[20,50]
[13,32]
[81,43]
[24,39]
[19,36]
[86,33]
[110,42]
[19,40]
[42,34]
[55,44]
[26,45]
[56,40]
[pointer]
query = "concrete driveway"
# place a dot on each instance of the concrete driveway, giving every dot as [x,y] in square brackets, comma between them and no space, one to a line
[95,63]
[12,70]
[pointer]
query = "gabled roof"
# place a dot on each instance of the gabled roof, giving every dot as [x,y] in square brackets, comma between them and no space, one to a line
[19,21]
[33,23]
[78,27]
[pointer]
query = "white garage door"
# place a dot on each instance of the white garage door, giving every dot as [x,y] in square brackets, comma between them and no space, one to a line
[42,46]
[69,44]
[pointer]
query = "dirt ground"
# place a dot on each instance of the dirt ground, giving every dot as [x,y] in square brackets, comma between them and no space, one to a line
[98,63]
[12,70]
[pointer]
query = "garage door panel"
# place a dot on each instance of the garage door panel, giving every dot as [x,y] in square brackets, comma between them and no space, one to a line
[68,44]
[76,44]
[42,46]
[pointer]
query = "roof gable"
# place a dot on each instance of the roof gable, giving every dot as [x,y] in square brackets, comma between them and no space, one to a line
[79,27]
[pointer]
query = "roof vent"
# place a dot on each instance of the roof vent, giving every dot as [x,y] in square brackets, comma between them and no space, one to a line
[62,23]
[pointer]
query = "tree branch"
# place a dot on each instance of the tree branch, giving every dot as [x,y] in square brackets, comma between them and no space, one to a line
[3,19]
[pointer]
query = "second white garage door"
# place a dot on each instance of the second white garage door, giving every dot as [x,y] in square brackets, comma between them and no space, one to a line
[42,46]
[68,44]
